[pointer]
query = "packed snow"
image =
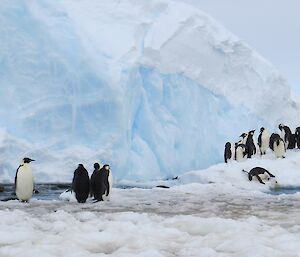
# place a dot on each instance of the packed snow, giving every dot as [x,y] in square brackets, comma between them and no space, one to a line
[151,87]
[211,212]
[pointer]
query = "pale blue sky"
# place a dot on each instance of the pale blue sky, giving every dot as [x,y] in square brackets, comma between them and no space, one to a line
[272,27]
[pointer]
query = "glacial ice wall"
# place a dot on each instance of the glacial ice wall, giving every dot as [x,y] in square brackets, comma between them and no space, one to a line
[154,88]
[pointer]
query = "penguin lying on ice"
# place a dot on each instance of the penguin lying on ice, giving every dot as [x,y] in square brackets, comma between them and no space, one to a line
[260,174]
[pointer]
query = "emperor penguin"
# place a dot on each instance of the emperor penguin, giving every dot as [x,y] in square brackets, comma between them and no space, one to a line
[297,137]
[263,141]
[244,137]
[240,152]
[292,142]
[108,181]
[24,184]
[260,174]
[98,183]
[285,134]
[227,152]
[250,145]
[279,148]
[81,184]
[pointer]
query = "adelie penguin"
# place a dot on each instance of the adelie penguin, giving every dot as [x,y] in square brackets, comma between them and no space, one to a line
[285,134]
[81,184]
[24,184]
[263,141]
[250,145]
[260,174]
[227,152]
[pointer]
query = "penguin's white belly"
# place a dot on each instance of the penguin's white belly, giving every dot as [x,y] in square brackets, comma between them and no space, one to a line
[263,176]
[265,144]
[110,181]
[232,149]
[239,154]
[279,150]
[24,187]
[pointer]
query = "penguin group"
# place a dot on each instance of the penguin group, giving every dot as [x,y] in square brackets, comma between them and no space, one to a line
[247,146]
[99,186]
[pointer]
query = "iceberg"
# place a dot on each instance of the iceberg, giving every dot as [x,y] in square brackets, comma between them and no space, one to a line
[154,88]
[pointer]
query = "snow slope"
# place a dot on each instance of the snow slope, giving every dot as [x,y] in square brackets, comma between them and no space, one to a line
[154,88]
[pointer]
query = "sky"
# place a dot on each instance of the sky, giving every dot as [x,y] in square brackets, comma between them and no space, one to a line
[271,27]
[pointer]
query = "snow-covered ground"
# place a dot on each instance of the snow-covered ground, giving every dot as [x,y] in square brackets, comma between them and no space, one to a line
[192,220]
[213,212]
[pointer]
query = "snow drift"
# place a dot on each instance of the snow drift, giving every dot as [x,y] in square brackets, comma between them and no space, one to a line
[154,88]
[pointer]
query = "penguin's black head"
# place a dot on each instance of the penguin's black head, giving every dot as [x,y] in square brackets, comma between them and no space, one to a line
[280,126]
[80,165]
[106,166]
[249,177]
[251,132]
[243,135]
[96,166]
[262,129]
[228,145]
[27,160]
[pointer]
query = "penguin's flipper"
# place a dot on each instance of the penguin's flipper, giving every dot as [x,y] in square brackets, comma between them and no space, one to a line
[270,174]
[259,179]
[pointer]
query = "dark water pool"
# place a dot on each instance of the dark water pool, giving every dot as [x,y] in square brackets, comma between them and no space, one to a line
[285,190]
[45,191]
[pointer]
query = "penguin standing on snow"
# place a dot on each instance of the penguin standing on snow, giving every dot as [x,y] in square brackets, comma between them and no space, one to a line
[250,146]
[108,180]
[292,142]
[244,137]
[279,148]
[81,184]
[285,134]
[99,183]
[227,153]
[273,137]
[240,152]
[263,141]
[297,137]
[277,145]
[24,184]
[260,174]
